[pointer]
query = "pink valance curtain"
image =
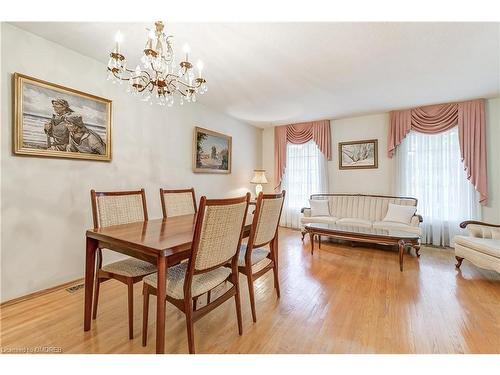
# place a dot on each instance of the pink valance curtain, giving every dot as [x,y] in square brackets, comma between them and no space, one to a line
[318,131]
[470,118]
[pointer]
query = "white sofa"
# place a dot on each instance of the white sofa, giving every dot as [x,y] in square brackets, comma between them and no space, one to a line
[362,211]
[481,247]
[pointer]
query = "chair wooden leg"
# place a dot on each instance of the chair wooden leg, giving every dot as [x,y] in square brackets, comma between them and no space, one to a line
[97,282]
[251,292]
[130,285]
[275,268]
[238,306]
[303,235]
[276,280]
[96,295]
[195,302]
[145,314]
[189,324]
[459,262]
[209,295]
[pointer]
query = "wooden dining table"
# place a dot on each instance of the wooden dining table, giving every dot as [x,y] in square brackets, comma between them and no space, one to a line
[161,242]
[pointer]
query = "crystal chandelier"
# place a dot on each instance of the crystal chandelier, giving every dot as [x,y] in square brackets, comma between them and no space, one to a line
[159,78]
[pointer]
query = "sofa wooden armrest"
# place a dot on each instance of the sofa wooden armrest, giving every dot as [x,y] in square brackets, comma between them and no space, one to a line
[420,218]
[464,224]
[303,209]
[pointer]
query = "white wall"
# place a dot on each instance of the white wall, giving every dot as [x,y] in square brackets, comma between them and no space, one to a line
[46,202]
[268,158]
[346,181]
[381,180]
[372,181]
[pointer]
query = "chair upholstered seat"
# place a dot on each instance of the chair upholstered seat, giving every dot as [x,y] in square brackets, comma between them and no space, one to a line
[201,284]
[130,267]
[258,255]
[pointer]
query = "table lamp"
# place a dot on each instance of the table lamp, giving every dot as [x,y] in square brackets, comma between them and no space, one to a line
[259,178]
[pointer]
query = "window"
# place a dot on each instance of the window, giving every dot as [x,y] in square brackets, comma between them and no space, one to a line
[305,174]
[430,169]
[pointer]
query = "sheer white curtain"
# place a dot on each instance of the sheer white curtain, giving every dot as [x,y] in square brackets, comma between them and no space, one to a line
[429,168]
[306,173]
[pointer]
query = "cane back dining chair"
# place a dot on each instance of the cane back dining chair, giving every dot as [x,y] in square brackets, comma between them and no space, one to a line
[255,260]
[216,240]
[176,202]
[114,208]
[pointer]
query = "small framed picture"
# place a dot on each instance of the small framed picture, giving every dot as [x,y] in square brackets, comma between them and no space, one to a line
[211,152]
[358,154]
[51,120]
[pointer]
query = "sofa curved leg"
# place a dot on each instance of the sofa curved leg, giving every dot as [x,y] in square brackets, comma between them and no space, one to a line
[311,237]
[401,245]
[459,262]
[417,250]
[303,235]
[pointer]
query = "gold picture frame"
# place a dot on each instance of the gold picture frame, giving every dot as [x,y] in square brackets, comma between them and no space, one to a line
[80,130]
[358,154]
[212,151]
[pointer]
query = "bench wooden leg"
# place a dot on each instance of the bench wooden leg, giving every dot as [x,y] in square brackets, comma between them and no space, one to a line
[311,236]
[401,245]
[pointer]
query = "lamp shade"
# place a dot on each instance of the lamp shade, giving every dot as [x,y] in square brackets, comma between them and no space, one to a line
[259,177]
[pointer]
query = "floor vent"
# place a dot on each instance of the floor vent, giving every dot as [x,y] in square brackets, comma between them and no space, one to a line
[75,288]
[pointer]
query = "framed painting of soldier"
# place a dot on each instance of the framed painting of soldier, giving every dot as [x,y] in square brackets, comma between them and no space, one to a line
[211,152]
[56,121]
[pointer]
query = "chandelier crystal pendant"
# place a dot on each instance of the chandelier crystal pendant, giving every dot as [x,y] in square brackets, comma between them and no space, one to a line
[157,77]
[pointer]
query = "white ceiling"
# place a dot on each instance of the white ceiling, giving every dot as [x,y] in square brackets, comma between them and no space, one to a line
[277,73]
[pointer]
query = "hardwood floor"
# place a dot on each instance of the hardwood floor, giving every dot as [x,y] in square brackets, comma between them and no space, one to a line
[341,300]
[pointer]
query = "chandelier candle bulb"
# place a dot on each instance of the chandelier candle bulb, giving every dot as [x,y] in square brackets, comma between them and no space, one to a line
[199,65]
[118,40]
[151,35]
[186,49]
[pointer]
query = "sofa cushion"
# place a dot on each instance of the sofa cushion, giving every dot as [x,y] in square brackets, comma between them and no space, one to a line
[484,245]
[484,231]
[399,213]
[371,208]
[319,207]
[390,225]
[318,219]
[354,222]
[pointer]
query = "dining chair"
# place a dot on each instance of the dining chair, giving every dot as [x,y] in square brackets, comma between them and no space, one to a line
[216,240]
[114,208]
[255,260]
[176,202]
